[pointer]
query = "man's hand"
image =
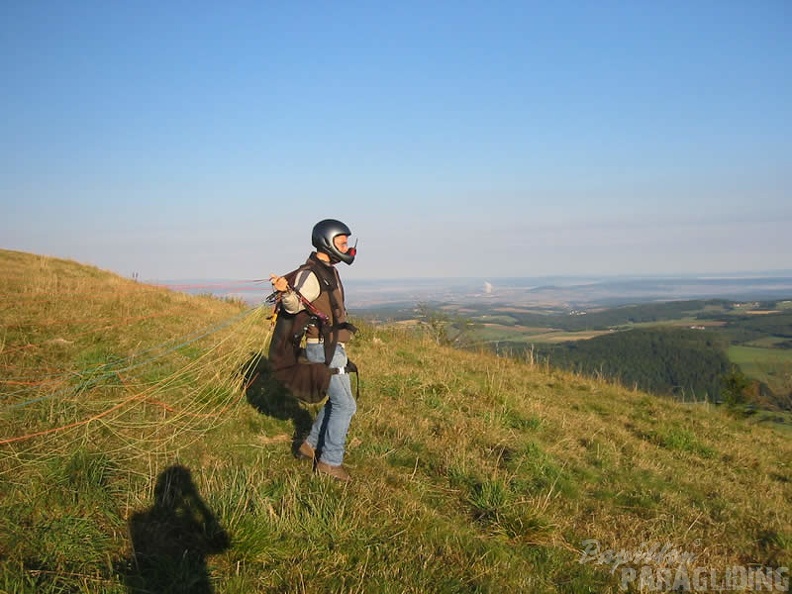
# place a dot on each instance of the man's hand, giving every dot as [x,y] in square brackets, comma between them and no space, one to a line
[279,283]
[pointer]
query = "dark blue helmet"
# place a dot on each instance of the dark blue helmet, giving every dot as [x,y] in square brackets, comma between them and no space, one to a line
[324,232]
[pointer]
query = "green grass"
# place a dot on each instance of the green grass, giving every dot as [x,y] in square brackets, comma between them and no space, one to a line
[772,366]
[142,450]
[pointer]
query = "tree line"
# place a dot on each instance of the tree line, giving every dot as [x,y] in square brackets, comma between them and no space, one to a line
[687,364]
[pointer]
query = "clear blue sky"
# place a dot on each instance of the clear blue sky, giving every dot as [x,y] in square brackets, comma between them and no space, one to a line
[187,139]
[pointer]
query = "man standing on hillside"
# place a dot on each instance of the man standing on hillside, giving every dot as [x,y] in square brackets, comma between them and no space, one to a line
[320,286]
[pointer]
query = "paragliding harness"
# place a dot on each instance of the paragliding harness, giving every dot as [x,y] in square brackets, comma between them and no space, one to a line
[305,380]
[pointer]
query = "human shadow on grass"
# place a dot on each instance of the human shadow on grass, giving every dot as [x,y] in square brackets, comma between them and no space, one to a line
[172,540]
[268,396]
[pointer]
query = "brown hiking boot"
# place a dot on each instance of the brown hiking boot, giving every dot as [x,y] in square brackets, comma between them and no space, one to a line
[337,472]
[306,451]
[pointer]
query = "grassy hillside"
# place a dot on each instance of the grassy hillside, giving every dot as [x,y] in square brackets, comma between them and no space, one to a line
[136,423]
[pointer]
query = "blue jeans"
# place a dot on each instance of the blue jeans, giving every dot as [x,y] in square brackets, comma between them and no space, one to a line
[329,430]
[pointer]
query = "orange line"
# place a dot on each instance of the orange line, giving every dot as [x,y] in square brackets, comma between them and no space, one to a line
[71,425]
[191,414]
[108,411]
[88,332]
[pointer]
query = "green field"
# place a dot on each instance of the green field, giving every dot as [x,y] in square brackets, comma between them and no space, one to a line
[772,366]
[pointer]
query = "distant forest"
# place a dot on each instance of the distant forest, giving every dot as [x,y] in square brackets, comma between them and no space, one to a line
[687,364]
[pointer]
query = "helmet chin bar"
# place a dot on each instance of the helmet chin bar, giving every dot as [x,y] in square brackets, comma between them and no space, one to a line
[347,257]
[353,250]
[323,239]
[350,254]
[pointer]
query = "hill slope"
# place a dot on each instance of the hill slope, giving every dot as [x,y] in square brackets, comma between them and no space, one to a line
[137,423]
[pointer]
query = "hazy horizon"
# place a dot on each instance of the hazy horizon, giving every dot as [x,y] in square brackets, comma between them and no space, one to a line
[589,291]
